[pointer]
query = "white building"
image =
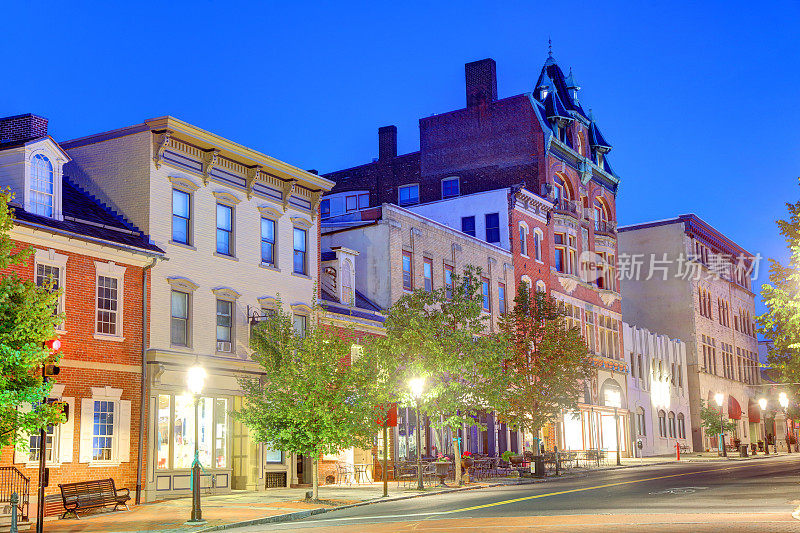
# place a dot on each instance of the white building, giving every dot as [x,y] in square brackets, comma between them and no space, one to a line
[240,229]
[657,391]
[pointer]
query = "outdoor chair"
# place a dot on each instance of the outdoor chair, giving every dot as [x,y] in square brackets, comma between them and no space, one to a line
[344,473]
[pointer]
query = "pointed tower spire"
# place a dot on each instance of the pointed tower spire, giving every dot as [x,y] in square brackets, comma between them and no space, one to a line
[550,59]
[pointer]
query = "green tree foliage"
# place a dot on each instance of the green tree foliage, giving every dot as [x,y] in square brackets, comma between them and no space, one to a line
[313,398]
[781,322]
[711,421]
[27,321]
[547,362]
[443,336]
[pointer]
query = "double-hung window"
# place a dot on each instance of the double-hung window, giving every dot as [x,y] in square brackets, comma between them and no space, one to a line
[486,293]
[325,208]
[468,225]
[300,248]
[107,302]
[523,240]
[49,272]
[179,323]
[427,273]
[537,245]
[363,200]
[224,229]
[181,216]
[268,241]
[300,323]
[224,326]
[501,297]
[492,227]
[50,440]
[408,195]
[408,271]
[103,431]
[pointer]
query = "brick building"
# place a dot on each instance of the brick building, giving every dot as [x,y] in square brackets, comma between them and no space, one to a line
[530,174]
[100,261]
[395,251]
[687,280]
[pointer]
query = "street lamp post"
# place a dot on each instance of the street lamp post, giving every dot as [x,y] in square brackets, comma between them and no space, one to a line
[719,397]
[616,430]
[763,404]
[195,379]
[784,401]
[416,385]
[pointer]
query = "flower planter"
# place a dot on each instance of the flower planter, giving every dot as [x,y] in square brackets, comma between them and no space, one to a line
[467,462]
[516,460]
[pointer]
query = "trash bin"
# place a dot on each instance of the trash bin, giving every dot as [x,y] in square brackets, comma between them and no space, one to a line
[743,450]
[538,466]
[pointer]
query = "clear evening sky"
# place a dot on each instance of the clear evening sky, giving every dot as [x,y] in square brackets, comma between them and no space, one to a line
[700,101]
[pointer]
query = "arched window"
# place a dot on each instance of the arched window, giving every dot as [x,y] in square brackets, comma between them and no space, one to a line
[525,280]
[641,426]
[540,286]
[560,188]
[681,426]
[672,424]
[579,142]
[662,424]
[611,393]
[523,238]
[347,282]
[537,244]
[41,186]
[601,214]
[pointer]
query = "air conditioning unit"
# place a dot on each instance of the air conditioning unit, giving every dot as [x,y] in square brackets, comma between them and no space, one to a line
[224,346]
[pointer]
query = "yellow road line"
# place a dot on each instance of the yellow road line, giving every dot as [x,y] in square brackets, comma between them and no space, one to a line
[515,500]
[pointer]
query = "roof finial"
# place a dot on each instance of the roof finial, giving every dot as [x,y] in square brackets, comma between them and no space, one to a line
[549,47]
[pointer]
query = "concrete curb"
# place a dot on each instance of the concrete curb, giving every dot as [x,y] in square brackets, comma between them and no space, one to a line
[297,515]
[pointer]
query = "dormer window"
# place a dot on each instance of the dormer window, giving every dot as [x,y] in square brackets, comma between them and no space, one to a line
[599,158]
[42,186]
[543,93]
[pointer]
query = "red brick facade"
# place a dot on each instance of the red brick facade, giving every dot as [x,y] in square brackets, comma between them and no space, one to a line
[87,362]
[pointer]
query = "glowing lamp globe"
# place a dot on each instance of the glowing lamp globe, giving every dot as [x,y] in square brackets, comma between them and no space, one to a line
[719,397]
[763,403]
[783,400]
[53,345]
[195,379]
[416,385]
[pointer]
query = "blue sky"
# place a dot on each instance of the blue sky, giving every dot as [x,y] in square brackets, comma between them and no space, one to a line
[700,101]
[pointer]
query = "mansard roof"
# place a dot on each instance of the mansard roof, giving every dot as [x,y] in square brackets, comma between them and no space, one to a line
[554,108]
[596,138]
[556,75]
[86,217]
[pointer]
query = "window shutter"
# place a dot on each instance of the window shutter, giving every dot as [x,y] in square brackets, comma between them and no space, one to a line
[67,434]
[21,453]
[124,442]
[87,429]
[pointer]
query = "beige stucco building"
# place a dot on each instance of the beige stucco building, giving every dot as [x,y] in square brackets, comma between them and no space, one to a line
[399,251]
[683,278]
[240,229]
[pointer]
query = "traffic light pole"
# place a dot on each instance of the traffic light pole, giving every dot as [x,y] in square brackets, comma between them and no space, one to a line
[42,474]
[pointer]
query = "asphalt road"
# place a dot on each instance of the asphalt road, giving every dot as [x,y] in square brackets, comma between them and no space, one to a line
[755,495]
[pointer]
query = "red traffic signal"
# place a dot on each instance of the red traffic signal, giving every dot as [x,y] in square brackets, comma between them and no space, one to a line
[53,345]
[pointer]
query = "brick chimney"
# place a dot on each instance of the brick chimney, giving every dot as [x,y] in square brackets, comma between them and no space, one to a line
[387,142]
[22,128]
[481,82]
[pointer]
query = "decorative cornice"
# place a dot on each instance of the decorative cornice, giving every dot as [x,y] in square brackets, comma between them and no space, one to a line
[253,174]
[209,160]
[162,146]
[286,190]
[225,292]
[226,197]
[267,301]
[183,183]
[269,212]
[178,282]
[301,222]
[301,308]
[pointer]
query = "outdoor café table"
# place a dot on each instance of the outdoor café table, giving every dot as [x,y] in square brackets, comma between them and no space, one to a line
[361,471]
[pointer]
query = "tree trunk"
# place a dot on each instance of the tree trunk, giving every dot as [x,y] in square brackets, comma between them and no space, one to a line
[457,457]
[315,477]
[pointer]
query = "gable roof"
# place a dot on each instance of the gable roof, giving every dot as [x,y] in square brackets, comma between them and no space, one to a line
[87,218]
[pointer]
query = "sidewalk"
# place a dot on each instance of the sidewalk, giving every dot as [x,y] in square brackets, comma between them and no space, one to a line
[169,516]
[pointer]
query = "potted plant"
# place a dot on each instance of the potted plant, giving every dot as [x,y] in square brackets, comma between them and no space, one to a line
[466,460]
[442,464]
[507,455]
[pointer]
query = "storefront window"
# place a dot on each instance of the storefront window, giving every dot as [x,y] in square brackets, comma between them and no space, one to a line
[205,431]
[162,439]
[573,436]
[183,432]
[221,431]
[272,456]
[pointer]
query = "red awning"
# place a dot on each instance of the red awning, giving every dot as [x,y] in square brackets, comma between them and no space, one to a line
[734,409]
[753,412]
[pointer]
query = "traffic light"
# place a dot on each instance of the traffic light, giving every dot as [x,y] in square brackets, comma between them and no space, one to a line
[51,370]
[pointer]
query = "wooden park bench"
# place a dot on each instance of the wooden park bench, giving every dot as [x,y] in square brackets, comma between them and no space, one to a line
[684,448]
[92,494]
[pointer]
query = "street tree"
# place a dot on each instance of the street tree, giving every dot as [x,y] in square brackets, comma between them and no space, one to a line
[316,395]
[547,362]
[712,421]
[781,321]
[442,335]
[28,320]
